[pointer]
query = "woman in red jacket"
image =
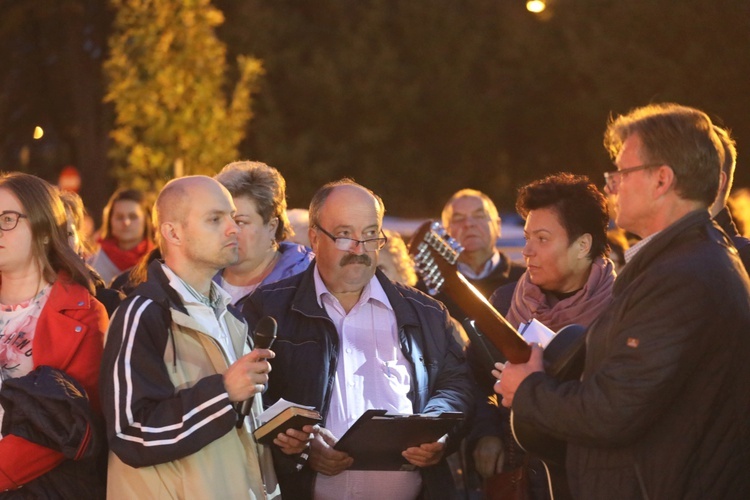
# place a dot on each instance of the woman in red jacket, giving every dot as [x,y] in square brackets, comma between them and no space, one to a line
[49,318]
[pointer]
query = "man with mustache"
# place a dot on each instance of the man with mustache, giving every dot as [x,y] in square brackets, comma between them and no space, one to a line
[176,364]
[350,340]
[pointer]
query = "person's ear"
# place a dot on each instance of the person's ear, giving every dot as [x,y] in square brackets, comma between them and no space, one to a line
[664,179]
[584,245]
[170,233]
[312,235]
[273,224]
[722,181]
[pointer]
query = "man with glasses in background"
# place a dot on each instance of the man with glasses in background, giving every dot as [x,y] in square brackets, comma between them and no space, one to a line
[661,410]
[350,340]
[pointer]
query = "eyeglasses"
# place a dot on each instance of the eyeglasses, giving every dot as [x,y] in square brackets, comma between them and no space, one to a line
[347,244]
[611,179]
[9,220]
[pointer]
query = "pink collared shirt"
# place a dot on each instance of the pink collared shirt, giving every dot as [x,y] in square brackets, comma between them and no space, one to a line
[372,372]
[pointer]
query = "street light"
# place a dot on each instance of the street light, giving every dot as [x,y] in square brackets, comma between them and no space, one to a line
[536,6]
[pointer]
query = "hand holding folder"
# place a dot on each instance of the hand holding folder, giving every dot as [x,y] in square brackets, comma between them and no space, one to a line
[377,439]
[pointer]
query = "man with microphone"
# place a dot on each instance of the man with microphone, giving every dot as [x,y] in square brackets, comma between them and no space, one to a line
[176,365]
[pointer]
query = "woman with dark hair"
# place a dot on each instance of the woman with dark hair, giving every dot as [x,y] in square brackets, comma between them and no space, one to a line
[568,280]
[51,327]
[259,194]
[126,233]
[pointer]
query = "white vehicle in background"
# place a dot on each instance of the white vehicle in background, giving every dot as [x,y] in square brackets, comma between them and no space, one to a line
[510,242]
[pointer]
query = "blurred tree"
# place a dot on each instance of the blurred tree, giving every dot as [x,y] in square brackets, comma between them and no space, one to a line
[51,53]
[167,79]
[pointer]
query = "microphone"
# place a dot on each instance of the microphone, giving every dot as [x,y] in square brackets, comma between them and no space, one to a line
[263,337]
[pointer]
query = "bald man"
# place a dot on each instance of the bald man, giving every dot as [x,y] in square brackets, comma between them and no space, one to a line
[176,364]
[350,340]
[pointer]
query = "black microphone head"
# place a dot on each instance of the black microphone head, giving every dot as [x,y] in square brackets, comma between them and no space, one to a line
[265,333]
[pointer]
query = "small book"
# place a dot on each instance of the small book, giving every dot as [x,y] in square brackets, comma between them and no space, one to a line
[377,438]
[293,417]
[535,332]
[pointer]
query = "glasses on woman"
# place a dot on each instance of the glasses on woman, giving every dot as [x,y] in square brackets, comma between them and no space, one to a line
[9,219]
[348,244]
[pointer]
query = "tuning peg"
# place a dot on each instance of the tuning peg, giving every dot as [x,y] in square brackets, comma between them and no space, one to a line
[455,245]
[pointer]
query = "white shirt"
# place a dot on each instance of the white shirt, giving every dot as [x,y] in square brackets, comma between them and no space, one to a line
[632,251]
[237,292]
[489,266]
[371,373]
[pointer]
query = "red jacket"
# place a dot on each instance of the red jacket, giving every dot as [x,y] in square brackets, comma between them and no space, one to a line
[69,336]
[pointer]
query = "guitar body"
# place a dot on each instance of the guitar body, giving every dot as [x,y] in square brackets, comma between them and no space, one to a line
[435,255]
[563,359]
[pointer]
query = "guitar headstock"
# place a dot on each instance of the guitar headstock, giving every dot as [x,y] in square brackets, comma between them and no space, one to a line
[435,254]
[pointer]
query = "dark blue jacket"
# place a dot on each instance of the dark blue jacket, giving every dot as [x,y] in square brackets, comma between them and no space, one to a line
[662,408]
[726,222]
[307,350]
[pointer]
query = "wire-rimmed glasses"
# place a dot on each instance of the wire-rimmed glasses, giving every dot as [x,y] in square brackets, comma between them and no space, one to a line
[348,244]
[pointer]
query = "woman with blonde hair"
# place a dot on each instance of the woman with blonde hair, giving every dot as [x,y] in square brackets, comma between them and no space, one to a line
[52,330]
[394,260]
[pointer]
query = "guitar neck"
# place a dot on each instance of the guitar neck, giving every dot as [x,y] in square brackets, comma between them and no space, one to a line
[493,325]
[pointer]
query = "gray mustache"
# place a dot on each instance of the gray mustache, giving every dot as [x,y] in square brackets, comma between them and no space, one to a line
[355,259]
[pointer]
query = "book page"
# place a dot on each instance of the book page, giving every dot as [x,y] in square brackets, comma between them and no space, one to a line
[276,408]
[536,333]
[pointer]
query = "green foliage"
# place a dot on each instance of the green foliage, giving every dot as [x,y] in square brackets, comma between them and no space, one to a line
[167,80]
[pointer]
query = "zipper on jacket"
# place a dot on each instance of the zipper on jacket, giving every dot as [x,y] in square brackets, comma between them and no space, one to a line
[334,359]
[174,349]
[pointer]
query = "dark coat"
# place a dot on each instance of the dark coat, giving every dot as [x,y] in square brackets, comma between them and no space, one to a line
[662,408]
[306,350]
[742,244]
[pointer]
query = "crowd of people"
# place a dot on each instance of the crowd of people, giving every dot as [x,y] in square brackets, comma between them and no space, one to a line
[128,366]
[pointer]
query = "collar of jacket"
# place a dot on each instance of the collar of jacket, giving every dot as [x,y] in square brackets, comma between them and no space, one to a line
[64,297]
[405,315]
[688,227]
[725,221]
[158,289]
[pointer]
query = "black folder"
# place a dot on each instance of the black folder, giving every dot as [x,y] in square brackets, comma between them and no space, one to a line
[376,439]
